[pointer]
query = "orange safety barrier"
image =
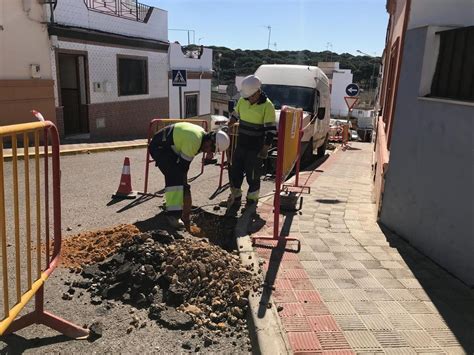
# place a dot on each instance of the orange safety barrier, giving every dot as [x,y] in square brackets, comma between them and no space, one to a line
[288,154]
[226,159]
[159,123]
[33,248]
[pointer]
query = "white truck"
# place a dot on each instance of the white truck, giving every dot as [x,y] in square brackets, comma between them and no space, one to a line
[305,87]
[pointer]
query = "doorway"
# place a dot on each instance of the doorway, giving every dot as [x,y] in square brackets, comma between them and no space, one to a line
[73,91]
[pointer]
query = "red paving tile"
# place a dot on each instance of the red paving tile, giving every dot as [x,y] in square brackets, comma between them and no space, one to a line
[332,340]
[283,284]
[307,296]
[295,274]
[304,341]
[290,264]
[323,323]
[284,296]
[304,284]
[315,309]
[291,310]
[296,324]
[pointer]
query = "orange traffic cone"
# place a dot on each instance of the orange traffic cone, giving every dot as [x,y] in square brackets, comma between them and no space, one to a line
[125,187]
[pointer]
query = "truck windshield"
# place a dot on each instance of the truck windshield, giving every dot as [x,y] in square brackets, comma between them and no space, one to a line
[295,96]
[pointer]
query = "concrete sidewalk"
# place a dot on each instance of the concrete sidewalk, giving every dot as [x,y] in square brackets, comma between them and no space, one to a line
[354,287]
[82,148]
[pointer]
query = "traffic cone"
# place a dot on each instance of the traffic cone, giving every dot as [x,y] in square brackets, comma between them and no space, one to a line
[125,187]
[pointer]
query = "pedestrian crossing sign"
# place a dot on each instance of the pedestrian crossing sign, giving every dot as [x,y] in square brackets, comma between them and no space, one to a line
[179,77]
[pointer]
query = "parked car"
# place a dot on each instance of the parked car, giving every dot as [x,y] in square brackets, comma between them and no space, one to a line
[305,87]
[354,136]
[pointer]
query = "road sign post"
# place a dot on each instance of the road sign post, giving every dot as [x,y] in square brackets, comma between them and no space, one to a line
[179,78]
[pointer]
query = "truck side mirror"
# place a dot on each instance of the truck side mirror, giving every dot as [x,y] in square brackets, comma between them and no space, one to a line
[321,113]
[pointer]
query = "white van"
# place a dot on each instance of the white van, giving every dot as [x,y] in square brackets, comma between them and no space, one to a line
[305,87]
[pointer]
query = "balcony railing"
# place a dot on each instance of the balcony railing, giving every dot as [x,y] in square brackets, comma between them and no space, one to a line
[128,9]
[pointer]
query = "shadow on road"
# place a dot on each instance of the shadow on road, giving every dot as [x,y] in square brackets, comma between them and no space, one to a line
[16,344]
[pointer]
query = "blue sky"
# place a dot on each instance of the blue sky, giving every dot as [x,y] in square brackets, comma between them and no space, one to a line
[296,24]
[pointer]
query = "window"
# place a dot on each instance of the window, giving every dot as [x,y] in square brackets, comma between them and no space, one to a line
[216,111]
[454,75]
[132,76]
[191,104]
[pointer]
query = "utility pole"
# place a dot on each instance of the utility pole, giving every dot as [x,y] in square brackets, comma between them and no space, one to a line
[269,28]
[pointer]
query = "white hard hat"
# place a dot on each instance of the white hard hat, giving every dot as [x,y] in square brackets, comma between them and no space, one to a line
[250,85]
[222,141]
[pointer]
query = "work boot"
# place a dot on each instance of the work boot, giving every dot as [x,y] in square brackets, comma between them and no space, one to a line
[231,201]
[175,222]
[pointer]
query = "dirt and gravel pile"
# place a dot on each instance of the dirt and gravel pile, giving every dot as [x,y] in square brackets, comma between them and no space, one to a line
[94,246]
[184,282]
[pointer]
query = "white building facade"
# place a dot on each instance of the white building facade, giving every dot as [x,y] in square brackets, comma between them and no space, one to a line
[338,81]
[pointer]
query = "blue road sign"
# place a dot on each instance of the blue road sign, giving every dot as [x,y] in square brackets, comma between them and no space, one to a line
[179,77]
[352,90]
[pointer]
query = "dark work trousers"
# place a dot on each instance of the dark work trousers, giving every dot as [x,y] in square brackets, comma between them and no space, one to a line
[245,161]
[167,161]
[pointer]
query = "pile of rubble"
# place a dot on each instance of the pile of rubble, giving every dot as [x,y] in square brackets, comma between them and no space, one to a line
[183,281]
[94,246]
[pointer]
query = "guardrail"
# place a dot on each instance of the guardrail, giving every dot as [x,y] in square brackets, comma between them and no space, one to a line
[128,9]
[24,290]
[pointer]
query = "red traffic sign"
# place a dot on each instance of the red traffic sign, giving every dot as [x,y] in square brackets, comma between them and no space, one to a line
[351,101]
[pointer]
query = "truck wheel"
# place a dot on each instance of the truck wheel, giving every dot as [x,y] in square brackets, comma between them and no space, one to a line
[322,149]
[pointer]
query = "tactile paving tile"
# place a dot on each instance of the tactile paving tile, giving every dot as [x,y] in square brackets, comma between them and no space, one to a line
[343,307]
[317,273]
[346,283]
[390,339]
[362,256]
[419,339]
[444,337]
[325,256]
[411,283]
[399,351]
[390,307]
[403,322]
[401,273]
[378,294]
[332,340]
[362,340]
[430,321]
[284,296]
[323,283]
[339,273]
[421,294]
[312,264]
[368,282]
[352,265]
[415,307]
[315,309]
[323,323]
[365,307]
[282,284]
[376,322]
[331,264]
[304,341]
[331,294]
[371,264]
[401,295]
[296,324]
[307,296]
[291,310]
[294,274]
[350,322]
[304,284]
[354,294]
[292,265]
[381,274]
[359,273]
[390,283]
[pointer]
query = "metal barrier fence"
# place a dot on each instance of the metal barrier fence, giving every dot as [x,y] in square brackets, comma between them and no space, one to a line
[227,155]
[288,154]
[33,248]
[159,123]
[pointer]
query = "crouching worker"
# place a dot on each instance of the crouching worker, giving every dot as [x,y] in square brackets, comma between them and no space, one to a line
[173,148]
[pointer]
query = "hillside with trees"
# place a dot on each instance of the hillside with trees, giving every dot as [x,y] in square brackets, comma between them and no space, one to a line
[231,62]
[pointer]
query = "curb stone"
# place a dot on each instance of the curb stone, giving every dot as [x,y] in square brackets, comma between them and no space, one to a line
[267,334]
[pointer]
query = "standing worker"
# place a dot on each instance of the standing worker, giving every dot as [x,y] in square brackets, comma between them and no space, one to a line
[173,148]
[257,128]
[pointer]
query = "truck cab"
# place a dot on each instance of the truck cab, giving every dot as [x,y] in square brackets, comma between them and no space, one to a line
[305,87]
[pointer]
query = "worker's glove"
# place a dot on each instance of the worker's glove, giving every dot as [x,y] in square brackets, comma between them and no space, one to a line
[263,154]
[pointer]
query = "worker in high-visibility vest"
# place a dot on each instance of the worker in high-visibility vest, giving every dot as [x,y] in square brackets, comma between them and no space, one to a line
[257,128]
[173,148]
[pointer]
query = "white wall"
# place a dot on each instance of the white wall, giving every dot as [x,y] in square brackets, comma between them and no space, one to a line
[102,65]
[455,13]
[179,61]
[75,13]
[340,80]
[23,40]
[203,86]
